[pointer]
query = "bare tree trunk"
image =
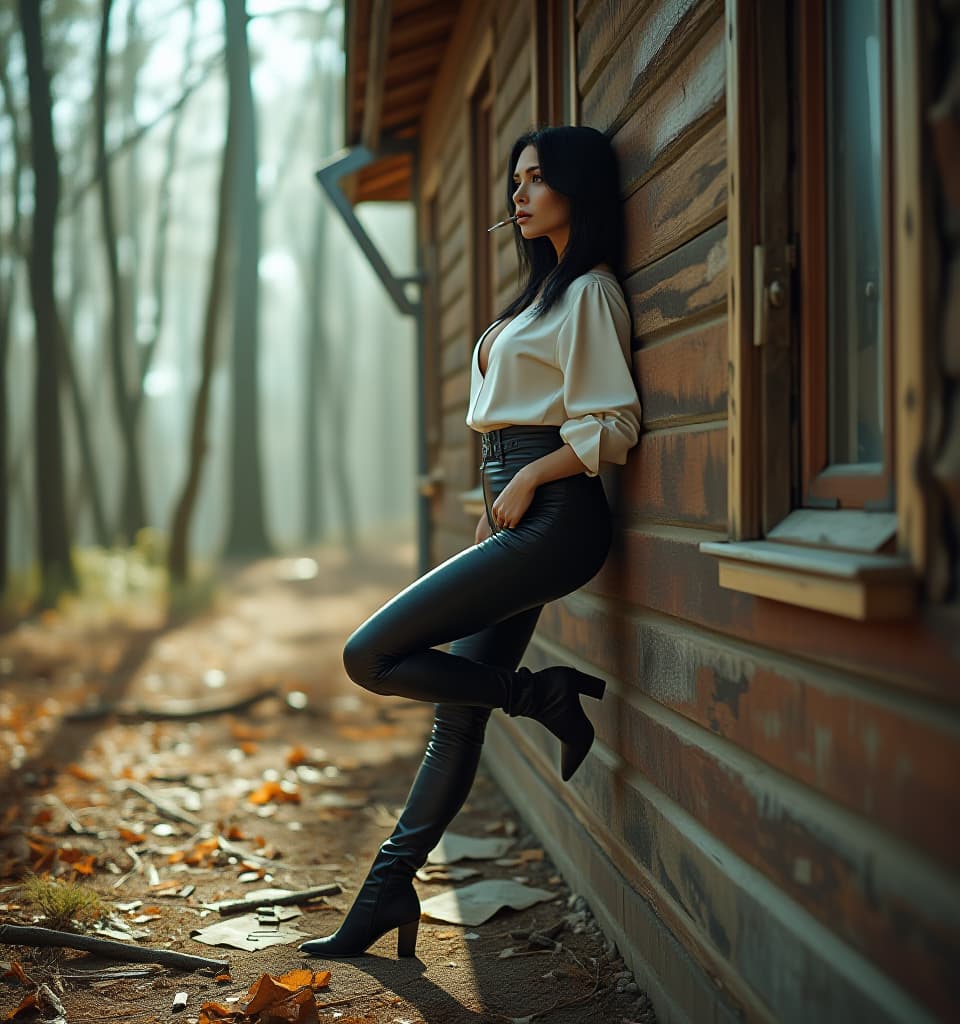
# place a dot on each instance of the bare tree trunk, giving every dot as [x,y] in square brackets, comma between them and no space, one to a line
[163,225]
[317,346]
[131,514]
[56,565]
[178,556]
[7,293]
[90,478]
[247,536]
[134,502]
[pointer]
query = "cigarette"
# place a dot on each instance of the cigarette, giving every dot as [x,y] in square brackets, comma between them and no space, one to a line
[500,224]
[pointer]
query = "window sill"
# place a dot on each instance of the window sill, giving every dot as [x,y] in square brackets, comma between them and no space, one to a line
[859,586]
[472,501]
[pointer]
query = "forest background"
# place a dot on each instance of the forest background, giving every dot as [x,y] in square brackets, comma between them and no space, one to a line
[197,365]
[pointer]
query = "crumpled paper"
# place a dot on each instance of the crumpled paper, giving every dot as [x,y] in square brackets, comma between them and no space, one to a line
[475,903]
[453,847]
[267,927]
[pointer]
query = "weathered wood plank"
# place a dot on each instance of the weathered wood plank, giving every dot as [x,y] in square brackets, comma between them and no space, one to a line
[740,928]
[662,569]
[689,282]
[679,202]
[626,56]
[455,430]
[651,59]
[459,469]
[511,33]
[455,391]
[678,475]
[896,906]
[683,377]
[454,355]
[680,111]
[881,755]
[603,33]
[453,322]
[453,246]
[512,90]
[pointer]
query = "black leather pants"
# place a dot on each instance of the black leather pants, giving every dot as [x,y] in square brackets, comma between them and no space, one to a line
[484,602]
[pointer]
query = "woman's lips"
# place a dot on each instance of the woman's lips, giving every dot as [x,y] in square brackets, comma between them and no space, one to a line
[524,216]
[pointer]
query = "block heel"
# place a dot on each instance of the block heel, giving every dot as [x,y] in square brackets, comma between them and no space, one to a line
[592,686]
[407,938]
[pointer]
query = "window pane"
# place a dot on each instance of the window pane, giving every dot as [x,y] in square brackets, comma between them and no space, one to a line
[854,232]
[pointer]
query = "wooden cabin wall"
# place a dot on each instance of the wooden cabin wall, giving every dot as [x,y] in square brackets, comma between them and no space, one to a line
[763,822]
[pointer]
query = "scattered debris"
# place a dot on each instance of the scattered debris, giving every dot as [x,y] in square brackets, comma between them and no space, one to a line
[473,904]
[267,927]
[273,897]
[453,847]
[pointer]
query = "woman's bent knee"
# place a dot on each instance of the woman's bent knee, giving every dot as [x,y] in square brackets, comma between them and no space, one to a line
[364,664]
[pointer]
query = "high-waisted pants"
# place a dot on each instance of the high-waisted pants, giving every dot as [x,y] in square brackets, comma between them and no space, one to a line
[484,602]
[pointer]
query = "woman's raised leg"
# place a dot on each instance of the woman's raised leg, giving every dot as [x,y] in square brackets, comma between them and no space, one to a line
[387,898]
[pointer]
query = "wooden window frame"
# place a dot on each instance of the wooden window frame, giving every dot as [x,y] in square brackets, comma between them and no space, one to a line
[546,60]
[822,487]
[777,549]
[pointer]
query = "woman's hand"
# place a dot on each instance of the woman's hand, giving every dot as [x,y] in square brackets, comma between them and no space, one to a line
[483,529]
[514,500]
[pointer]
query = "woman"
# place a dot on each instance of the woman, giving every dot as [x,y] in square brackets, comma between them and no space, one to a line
[553,396]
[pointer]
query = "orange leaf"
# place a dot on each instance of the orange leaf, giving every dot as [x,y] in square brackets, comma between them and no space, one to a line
[42,816]
[249,747]
[297,755]
[17,971]
[130,836]
[235,832]
[28,1002]
[279,1003]
[81,773]
[224,978]
[274,791]
[244,731]
[210,1013]
[177,856]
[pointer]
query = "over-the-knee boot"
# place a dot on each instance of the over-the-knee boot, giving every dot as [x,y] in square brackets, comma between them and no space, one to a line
[387,898]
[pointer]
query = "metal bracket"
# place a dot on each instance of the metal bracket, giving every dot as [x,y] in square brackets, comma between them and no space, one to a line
[344,162]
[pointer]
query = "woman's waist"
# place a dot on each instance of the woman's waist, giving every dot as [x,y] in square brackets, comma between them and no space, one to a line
[519,441]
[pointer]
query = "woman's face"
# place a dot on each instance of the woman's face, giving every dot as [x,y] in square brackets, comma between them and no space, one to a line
[548,212]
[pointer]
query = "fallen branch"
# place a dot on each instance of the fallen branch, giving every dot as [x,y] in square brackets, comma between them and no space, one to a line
[15,935]
[188,709]
[301,896]
[167,809]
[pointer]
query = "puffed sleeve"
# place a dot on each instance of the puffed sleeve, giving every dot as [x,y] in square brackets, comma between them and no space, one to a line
[599,395]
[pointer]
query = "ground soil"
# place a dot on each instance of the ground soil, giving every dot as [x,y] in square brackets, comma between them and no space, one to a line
[346,758]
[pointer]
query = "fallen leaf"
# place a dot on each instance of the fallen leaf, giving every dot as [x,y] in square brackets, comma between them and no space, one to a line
[28,1003]
[16,971]
[297,755]
[130,836]
[82,863]
[81,773]
[278,792]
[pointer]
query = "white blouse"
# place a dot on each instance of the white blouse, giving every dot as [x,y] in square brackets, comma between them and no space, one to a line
[569,369]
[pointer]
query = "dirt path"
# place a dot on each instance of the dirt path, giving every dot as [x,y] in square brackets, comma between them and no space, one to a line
[309,781]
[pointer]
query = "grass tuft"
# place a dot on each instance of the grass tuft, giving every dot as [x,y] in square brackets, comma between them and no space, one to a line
[65,905]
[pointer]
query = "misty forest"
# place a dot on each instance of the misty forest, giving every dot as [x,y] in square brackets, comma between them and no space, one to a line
[199,368]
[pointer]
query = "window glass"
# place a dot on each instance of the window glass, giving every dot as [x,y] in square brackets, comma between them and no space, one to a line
[855,150]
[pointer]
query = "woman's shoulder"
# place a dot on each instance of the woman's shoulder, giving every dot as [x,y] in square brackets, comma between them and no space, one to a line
[601,275]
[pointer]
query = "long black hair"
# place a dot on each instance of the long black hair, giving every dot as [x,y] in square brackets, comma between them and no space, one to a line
[580,163]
